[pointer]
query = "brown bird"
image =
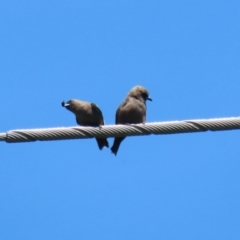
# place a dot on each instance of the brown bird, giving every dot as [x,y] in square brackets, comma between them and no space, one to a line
[87,114]
[132,110]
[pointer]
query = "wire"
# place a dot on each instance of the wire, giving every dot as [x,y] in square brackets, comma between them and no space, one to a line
[158,128]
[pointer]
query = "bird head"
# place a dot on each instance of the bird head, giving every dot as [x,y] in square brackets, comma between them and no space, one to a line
[71,105]
[140,93]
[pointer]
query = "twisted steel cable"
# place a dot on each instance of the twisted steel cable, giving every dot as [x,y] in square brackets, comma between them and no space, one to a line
[172,127]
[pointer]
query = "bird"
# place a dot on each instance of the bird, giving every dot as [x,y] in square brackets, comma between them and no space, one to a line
[87,114]
[131,111]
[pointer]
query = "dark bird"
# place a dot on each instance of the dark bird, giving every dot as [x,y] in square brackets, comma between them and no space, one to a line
[131,111]
[87,114]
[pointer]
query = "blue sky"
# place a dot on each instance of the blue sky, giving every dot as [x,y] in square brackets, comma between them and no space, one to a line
[183,186]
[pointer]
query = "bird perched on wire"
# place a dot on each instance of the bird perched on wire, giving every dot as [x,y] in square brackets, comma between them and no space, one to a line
[132,110]
[87,114]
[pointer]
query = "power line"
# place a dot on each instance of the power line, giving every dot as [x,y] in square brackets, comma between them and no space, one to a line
[158,128]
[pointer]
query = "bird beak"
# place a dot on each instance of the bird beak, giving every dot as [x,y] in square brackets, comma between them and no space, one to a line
[149,99]
[65,104]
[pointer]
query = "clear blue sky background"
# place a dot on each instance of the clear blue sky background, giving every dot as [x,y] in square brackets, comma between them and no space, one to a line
[183,186]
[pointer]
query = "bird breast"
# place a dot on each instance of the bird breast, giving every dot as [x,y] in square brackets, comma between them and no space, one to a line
[132,112]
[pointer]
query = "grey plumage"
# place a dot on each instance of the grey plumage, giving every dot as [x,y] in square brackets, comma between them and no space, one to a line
[131,111]
[87,114]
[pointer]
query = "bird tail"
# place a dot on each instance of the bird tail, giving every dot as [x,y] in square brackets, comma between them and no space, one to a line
[116,144]
[102,142]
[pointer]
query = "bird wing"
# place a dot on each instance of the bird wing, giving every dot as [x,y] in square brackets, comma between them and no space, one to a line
[122,105]
[116,116]
[97,111]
